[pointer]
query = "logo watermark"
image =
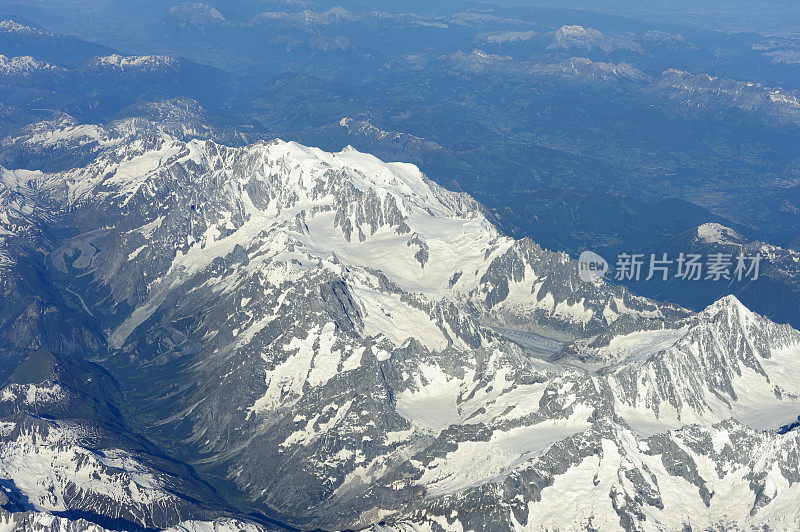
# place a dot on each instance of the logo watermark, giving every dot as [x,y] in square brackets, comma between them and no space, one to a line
[684,266]
[591,267]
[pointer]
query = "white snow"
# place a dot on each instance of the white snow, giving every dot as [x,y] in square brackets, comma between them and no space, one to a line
[640,345]
[50,469]
[22,65]
[433,403]
[134,62]
[476,462]
[714,233]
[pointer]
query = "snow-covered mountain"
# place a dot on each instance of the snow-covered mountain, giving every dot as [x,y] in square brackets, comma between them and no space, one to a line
[338,342]
[587,39]
[22,66]
[580,69]
[136,62]
[698,92]
[391,142]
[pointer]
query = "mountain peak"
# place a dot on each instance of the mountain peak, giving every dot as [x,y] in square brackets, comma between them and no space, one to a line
[10,26]
[134,62]
[715,233]
[728,302]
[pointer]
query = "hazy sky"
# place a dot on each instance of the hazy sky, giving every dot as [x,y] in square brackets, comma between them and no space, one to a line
[764,16]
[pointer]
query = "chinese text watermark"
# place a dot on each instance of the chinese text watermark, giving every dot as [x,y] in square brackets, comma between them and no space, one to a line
[684,266]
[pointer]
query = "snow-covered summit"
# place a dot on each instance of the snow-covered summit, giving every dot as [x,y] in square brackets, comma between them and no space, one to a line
[574,68]
[10,26]
[588,39]
[370,214]
[145,63]
[714,233]
[22,65]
